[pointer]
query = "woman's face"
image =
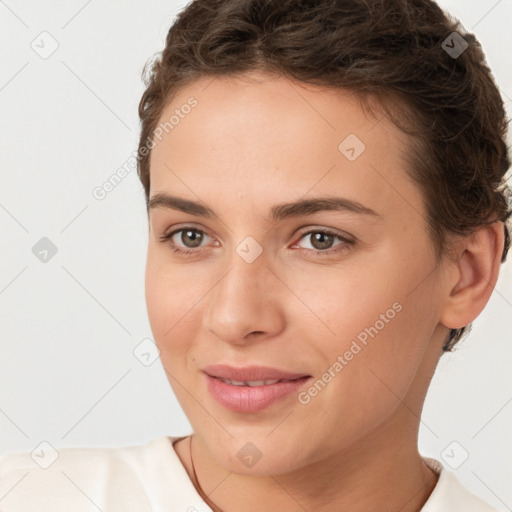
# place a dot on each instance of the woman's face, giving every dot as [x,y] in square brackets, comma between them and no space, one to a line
[346,301]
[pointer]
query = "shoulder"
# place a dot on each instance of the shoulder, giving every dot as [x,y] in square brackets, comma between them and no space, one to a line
[450,494]
[82,478]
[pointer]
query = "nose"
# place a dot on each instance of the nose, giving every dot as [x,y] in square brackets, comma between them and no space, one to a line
[246,303]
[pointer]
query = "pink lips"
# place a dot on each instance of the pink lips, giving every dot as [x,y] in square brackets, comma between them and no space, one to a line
[245,398]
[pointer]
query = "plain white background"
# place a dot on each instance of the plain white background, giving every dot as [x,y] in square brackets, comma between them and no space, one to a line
[69,326]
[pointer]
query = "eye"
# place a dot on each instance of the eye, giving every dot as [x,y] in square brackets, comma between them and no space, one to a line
[190,237]
[322,241]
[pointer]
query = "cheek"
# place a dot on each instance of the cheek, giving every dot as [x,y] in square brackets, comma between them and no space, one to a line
[380,335]
[339,302]
[381,302]
[175,300]
[167,299]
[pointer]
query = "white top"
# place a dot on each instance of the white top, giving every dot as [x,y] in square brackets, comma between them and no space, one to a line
[143,478]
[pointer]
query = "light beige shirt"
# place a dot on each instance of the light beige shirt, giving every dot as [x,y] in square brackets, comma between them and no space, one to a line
[143,478]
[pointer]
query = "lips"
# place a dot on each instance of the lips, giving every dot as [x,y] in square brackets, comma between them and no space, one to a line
[253,388]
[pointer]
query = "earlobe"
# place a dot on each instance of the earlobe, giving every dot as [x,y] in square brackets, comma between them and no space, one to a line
[477,269]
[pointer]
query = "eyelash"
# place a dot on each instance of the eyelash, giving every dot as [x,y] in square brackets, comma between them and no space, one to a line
[339,248]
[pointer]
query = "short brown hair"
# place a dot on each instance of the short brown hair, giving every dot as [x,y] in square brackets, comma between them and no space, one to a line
[389,49]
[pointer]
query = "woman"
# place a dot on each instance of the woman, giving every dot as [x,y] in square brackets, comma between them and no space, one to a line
[327,215]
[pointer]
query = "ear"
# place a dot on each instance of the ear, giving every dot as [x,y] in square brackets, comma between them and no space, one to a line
[473,275]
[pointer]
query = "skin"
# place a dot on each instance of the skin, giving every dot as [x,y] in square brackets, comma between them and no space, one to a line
[253,142]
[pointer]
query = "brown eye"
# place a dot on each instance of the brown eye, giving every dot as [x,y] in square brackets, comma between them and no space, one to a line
[191,237]
[187,240]
[321,241]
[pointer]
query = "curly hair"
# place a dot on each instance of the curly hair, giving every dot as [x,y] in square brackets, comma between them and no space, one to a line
[392,50]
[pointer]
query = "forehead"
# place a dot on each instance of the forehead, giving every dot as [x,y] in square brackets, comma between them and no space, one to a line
[268,137]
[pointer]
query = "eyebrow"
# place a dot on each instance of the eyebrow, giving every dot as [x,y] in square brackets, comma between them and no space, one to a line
[278,212]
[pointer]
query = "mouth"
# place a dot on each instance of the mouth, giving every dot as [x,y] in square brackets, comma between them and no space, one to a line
[251,389]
